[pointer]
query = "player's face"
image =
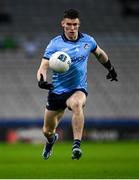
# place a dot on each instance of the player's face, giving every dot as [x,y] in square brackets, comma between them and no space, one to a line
[71,28]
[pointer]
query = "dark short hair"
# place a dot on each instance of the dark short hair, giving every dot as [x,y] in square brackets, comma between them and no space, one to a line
[71,14]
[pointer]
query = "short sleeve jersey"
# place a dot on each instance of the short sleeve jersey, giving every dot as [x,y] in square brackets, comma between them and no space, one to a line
[79,51]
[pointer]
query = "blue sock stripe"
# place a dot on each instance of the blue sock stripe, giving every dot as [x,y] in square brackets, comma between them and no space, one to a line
[76,142]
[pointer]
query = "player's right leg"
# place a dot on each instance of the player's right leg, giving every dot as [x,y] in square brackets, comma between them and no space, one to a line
[51,120]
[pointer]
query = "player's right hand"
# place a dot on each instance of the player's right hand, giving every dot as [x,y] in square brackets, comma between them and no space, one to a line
[44,84]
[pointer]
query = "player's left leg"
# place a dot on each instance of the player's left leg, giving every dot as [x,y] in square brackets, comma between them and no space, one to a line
[76,103]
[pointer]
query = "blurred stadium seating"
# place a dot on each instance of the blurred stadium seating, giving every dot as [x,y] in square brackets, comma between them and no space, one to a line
[116,34]
[34,16]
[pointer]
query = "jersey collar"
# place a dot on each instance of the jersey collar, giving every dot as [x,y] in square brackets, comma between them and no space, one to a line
[80,35]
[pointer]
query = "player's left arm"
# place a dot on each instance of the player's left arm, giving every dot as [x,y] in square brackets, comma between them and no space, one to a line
[102,57]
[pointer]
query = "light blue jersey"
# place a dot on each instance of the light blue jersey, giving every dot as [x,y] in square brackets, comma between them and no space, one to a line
[79,51]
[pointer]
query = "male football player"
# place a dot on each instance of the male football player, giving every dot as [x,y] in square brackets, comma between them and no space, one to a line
[69,89]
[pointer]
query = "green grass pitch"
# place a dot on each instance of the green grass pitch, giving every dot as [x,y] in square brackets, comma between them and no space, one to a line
[100,160]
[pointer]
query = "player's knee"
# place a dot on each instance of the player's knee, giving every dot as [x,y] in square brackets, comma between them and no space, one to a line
[76,105]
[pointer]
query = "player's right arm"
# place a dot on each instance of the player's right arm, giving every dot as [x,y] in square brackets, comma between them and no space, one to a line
[42,75]
[43,69]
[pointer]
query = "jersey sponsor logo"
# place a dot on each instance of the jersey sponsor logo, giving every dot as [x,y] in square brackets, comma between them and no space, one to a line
[77,59]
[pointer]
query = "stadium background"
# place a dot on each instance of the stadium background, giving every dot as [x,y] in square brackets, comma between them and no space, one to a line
[26,27]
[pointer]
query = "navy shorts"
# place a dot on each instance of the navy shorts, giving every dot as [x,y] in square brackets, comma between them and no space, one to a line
[58,101]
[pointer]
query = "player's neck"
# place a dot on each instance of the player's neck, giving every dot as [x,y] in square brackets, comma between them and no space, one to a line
[79,35]
[66,39]
[72,38]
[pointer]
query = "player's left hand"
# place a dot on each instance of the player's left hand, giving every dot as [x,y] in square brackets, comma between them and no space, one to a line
[112,75]
[44,84]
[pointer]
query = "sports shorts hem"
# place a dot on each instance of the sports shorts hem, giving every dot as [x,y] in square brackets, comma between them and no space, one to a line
[58,101]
